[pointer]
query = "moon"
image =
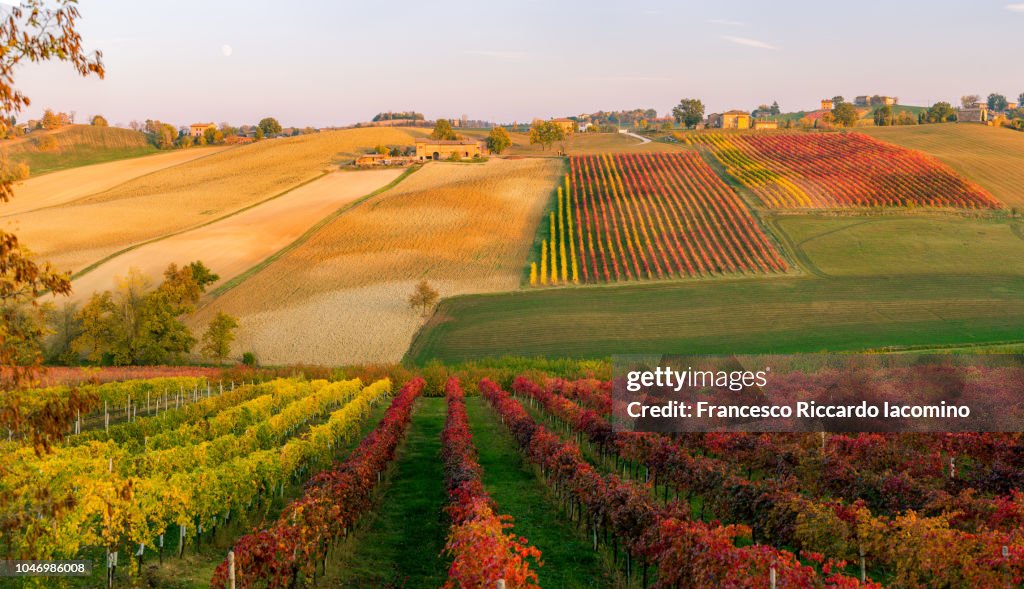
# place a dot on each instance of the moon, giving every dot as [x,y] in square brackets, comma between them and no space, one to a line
[226,50]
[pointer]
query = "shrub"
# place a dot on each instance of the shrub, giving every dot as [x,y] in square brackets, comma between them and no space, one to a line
[249,359]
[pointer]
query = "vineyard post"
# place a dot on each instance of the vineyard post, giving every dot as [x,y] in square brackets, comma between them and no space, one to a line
[771,577]
[231,569]
[78,421]
[161,549]
[106,417]
[147,402]
[182,530]
[500,584]
[863,564]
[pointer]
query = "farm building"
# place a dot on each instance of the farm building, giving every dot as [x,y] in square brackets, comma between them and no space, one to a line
[975,114]
[372,159]
[197,129]
[567,125]
[765,125]
[826,104]
[436,149]
[733,119]
[1011,106]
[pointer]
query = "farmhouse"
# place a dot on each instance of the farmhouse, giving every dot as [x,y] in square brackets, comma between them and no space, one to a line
[567,125]
[975,114]
[1011,106]
[436,149]
[733,119]
[197,129]
[765,124]
[826,104]
[372,159]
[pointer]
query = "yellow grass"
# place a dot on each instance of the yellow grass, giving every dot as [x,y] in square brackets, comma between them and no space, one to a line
[88,230]
[578,144]
[235,244]
[341,296]
[69,185]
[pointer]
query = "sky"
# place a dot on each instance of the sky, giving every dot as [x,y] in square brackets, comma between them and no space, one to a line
[332,63]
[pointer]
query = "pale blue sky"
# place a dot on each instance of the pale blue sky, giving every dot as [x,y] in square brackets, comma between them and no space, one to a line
[333,63]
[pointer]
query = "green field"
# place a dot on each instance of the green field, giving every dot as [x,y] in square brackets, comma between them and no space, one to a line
[577,144]
[994,158]
[77,145]
[868,283]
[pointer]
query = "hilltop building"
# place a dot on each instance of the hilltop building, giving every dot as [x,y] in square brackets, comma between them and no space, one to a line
[733,119]
[1011,105]
[567,125]
[827,104]
[197,129]
[765,125]
[437,149]
[975,114]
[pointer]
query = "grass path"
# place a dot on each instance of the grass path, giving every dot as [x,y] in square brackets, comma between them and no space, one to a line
[400,544]
[569,561]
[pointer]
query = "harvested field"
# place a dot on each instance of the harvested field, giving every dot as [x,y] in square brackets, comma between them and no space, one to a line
[74,146]
[235,244]
[341,296]
[188,195]
[69,185]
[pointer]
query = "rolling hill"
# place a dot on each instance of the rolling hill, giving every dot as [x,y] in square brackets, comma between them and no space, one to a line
[74,146]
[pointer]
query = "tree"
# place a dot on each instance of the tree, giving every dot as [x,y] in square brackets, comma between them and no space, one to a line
[884,116]
[545,133]
[689,112]
[30,31]
[213,136]
[837,100]
[258,134]
[269,126]
[443,131]
[845,115]
[940,112]
[219,336]
[382,149]
[99,121]
[775,110]
[969,100]
[64,326]
[136,324]
[498,140]
[423,298]
[50,120]
[997,102]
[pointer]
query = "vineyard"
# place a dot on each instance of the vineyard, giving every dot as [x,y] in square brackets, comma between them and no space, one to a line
[648,217]
[829,170]
[272,484]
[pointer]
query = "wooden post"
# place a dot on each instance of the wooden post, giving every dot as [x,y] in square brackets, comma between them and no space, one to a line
[501,584]
[863,564]
[106,417]
[231,569]
[771,576]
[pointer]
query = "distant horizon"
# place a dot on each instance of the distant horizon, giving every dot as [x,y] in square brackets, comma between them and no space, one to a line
[326,65]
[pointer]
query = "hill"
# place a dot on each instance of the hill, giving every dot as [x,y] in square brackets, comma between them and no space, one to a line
[74,146]
[991,157]
[576,144]
[341,297]
[189,195]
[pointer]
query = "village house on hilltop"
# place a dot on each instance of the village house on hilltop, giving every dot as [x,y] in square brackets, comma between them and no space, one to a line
[197,129]
[733,119]
[438,149]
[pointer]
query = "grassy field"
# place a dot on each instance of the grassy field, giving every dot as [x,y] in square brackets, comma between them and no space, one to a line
[76,145]
[869,283]
[195,193]
[341,297]
[904,246]
[745,316]
[994,158]
[233,245]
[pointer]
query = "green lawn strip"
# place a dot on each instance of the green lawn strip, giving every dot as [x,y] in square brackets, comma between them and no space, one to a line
[401,542]
[237,280]
[729,316]
[569,559]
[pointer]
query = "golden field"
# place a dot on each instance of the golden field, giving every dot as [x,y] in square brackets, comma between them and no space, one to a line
[341,296]
[195,193]
[235,244]
[66,186]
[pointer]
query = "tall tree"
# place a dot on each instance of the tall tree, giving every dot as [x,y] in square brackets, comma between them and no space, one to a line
[775,110]
[99,121]
[884,116]
[219,336]
[940,112]
[545,133]
[969,100]
[269,126]
[498,140]
[689,112]
[845,115]
[997,102]
[443,131]
[30,31]
[837,100]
